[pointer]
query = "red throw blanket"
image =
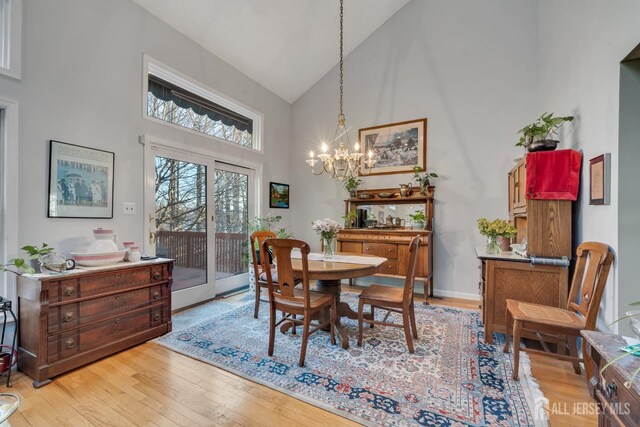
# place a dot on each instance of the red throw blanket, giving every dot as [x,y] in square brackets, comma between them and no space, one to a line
[553,175]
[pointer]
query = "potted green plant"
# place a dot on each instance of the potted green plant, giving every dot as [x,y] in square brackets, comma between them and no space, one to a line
[350,219]
[418,219]
[538,136]
[633,315]
[424,178]
[19,266]
[351,185]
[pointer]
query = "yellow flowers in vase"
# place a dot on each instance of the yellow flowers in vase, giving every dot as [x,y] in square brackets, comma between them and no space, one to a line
[493,230]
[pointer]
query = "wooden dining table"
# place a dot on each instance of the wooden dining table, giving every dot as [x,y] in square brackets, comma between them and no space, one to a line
[329,274]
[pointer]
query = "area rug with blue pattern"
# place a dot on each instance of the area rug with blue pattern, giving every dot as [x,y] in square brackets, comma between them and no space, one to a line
[452,379]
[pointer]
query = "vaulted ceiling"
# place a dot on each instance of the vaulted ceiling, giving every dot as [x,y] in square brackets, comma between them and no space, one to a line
[285,45]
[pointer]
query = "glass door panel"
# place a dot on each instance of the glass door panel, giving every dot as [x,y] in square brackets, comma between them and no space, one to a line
[232,200]
[181,219]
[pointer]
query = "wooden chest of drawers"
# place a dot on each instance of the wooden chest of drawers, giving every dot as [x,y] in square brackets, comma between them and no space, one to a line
[67,321]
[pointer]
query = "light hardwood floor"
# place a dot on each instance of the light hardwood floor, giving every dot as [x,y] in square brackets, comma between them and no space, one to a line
[150,385]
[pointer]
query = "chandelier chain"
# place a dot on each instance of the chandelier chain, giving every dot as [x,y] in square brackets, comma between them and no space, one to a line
[341,61]
[338,158]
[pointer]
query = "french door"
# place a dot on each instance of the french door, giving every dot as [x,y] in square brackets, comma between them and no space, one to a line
[197,212]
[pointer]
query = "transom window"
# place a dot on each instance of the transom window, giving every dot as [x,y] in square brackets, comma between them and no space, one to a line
[177,100]
[10,37]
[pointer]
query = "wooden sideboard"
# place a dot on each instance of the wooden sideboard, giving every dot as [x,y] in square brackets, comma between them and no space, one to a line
[618,405]
[75,318]
[392,244]
[508,276]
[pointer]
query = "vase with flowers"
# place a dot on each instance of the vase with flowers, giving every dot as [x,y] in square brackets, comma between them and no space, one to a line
[328,230]
[494,230]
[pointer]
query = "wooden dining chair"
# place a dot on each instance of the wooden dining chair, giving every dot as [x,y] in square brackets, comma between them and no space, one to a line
[394,300]
[559,324]
[293,301]
[256,240]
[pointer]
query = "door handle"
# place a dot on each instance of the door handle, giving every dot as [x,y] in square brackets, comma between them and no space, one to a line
[152,237]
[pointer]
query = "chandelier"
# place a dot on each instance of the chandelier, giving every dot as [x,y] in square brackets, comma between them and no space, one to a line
[344,161]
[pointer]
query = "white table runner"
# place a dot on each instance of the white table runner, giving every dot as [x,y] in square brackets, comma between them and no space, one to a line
[350,259]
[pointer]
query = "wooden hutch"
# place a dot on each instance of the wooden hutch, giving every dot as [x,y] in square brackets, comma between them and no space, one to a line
[392,242]
[546,224]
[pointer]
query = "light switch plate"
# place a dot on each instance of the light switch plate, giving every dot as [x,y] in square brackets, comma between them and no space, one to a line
[129,208]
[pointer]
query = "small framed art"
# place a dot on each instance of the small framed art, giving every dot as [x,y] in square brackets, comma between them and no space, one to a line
[600,180]
[396,147]
[80,181]
[278,195]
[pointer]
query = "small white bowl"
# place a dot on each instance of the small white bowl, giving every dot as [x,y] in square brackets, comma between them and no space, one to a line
[95,259]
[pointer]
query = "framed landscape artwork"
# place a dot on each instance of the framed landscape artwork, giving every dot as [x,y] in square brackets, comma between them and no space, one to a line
[396,147]
[278,195]
[80,182]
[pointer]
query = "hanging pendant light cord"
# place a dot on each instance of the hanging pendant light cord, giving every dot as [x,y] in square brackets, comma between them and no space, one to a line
[341,61]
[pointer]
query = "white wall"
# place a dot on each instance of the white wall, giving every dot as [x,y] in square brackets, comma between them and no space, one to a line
[471,68]
[82,83]
[581,45]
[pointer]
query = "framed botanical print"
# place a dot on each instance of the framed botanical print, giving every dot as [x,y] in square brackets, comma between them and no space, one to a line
[80,181]
[396,147]
[600,180]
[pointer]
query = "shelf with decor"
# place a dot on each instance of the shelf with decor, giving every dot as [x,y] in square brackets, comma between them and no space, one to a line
[391,196]
[391,241]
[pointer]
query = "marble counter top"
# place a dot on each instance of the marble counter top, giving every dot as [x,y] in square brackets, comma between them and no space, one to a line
[82,269]
[481,252]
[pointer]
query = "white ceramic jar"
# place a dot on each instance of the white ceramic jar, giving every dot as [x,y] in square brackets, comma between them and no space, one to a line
[105,242]
[134,254]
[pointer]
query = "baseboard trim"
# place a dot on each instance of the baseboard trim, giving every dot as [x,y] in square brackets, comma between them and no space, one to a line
[454,294]
[419,288]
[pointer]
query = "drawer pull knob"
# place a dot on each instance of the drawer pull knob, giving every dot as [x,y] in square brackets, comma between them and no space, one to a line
[156,295]
[68,316]
[117,296]
[117,276]
[70,343]
[156,316]
[156,276]
[117,320]
[69,291]
[612,390]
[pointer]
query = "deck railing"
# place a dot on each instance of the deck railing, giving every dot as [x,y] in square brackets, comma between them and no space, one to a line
[189,249]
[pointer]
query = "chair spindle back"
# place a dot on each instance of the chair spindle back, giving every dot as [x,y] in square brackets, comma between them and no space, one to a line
[589,279]
[281,249]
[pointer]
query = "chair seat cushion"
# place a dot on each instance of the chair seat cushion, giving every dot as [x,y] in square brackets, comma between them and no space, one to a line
[544,314]
[390,294]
